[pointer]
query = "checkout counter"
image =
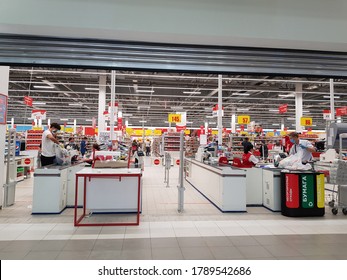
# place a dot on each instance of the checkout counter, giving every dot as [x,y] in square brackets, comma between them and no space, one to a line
[54,188]
[224,186]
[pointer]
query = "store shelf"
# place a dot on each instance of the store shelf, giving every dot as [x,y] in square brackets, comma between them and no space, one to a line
[33,139]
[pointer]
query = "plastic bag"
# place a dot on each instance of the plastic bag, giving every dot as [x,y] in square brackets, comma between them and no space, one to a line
[294,162]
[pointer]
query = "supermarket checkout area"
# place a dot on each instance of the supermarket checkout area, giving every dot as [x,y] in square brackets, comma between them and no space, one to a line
[233,189]
[105,187]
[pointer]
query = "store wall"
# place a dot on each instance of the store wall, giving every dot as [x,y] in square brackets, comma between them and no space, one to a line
[301,24]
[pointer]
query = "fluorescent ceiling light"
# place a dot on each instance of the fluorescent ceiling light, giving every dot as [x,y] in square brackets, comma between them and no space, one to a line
[89,120]
[145,90]
[209,117]
[312,87]
[130,124]
[275,124]
[328,96]
[64,119]
[189,122]
[293,119]
[273,110]
[241,94]
[43,87]
[75,104]
[143,107]
[208,109]
[142,121]
[39,103]
[242,109]
[192,92]
[287,95]
[127,115]
[305,111]
[92,88]
[177,108]
[29,118]
[212,122]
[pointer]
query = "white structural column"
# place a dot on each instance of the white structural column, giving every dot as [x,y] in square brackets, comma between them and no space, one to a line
[233,123]
[206,127]
[12,122]
[102,103]
[298,107]
[49,123]
[74,126]
[282,124]
[220,106]
[4,79]
[332,101]
[112,107]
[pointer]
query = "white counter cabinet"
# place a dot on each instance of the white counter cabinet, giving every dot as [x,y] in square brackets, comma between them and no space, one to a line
[49,193]
[225,187]
[254,186]
[54,188]
[272,189]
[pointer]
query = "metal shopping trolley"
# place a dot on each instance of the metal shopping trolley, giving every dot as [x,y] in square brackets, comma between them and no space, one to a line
[338,179]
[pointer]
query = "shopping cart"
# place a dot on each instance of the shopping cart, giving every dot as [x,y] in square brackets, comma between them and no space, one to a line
[338,180]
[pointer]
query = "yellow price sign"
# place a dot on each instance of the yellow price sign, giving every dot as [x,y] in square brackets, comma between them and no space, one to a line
[305,121]
[243,119]
[174,118]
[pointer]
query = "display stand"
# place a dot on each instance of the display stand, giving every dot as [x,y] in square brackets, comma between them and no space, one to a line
[108,191]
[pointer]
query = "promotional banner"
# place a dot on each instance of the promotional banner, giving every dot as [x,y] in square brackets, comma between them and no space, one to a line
[243,119]
[215,111]
[3,108]
[326,115]
[174,118]
[305,121]
[38,114]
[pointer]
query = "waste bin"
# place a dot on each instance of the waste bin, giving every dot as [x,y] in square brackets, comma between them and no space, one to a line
[302,194]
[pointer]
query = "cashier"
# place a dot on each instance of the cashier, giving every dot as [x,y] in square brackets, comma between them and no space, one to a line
[248,159]
[304,145]
[47,144]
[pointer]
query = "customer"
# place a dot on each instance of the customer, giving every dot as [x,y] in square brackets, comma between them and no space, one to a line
[245,143]
[148,147]
[96,147]
[48,140]
[301,145]
[83,146]
[248,159]
[72,144]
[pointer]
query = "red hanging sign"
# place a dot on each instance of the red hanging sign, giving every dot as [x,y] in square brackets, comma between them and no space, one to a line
[283,108]
[28,101]
[342,111]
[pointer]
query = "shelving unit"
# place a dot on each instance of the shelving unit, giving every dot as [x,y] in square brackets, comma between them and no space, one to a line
[235,145]
[33,139]
[192,145]
[156,147]
[171,142]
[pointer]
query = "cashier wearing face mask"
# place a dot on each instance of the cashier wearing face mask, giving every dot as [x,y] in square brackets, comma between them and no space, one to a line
[304,145]
[48,140]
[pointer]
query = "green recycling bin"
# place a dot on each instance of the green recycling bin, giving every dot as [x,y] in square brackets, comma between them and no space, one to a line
[302,194]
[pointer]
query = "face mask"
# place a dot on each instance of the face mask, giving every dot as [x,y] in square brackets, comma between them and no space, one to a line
[292,140]
[54,131]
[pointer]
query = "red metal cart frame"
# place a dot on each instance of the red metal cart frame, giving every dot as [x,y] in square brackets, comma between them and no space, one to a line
[77,220]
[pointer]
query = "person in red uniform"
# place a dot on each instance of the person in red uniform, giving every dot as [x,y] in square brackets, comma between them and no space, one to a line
[248,159]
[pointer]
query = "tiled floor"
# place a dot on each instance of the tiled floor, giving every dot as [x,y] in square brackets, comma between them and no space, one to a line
[200,232]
